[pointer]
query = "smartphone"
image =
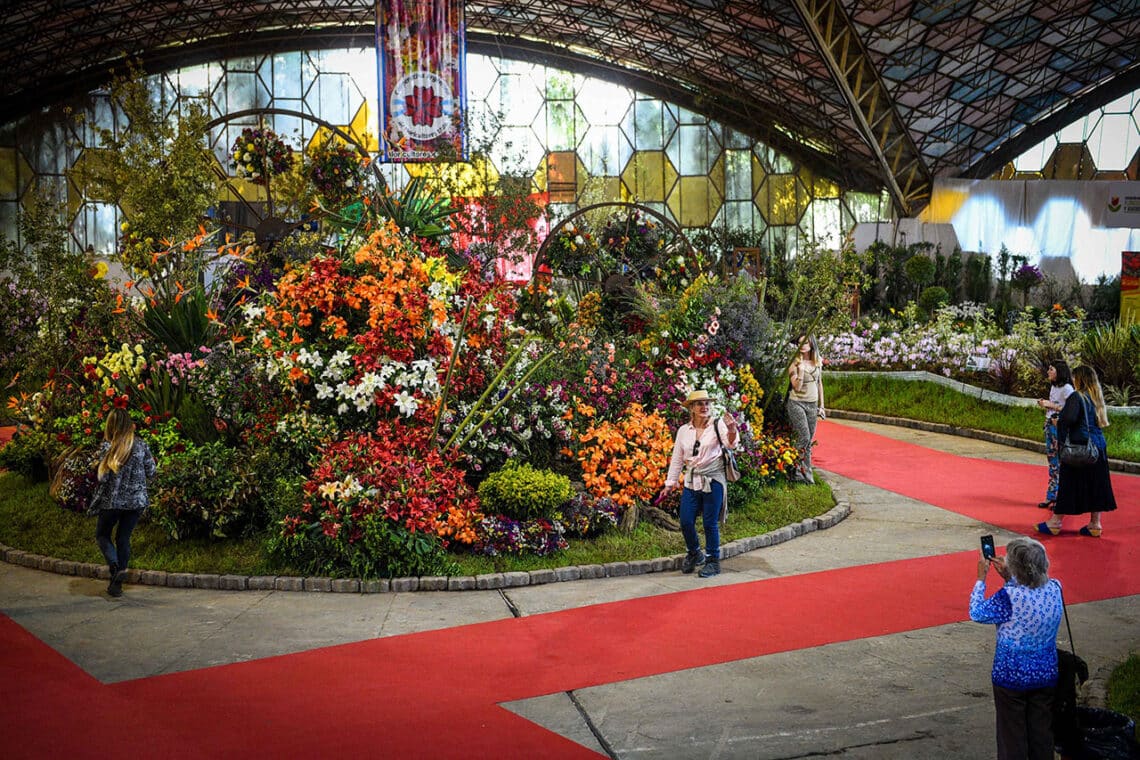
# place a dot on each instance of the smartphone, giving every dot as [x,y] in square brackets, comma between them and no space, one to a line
[988,547]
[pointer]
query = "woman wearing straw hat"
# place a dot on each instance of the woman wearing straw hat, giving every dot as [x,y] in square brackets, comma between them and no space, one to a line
[697,451]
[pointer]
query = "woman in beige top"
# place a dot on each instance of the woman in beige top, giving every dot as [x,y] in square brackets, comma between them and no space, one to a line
[805,402]
[698,468]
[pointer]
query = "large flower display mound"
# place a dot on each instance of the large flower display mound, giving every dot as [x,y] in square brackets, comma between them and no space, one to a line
[346,410]
[371,336]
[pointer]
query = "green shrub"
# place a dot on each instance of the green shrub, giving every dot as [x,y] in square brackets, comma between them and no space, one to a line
[200,492]
[919,270]
[26,454]
[1113,350]
[933,297]
[523,493]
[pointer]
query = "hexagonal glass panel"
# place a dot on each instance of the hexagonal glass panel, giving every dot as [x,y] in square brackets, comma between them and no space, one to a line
[334,97]
[482,126]
[603,103]
[516,152]
[604,151]
[738,175]
[9,221]
[519,99]
[9,174]
[96,224]
[1079,130]
[650,124]
[482,75]
[197,80]
[49,152]
[773,161]
[561,85]
[565,125]
[287,77]
[1033,159]
[244,91]
[100,114]
[738,215]
[693,150]
[1113,141]
[823,216]
[649,176]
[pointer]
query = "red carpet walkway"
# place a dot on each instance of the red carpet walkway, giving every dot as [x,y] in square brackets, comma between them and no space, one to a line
[435,694]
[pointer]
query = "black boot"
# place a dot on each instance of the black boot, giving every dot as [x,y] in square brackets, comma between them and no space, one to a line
[115,587]
[692,559]
[711,568]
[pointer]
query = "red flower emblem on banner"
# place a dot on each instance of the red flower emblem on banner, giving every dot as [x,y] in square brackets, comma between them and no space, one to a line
[424,106]
[1114,204]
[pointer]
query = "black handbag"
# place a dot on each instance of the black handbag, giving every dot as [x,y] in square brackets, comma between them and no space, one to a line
[1079,454]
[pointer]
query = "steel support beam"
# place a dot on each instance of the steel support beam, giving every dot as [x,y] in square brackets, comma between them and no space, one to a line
[905,174]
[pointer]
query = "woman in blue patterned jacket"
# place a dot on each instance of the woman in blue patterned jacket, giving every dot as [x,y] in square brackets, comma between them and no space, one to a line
[125,465]
[1027,611]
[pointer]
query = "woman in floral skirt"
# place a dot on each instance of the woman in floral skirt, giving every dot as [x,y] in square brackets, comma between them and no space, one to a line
[1060,387]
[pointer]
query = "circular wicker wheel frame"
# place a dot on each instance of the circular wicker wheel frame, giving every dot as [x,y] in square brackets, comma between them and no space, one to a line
[264,218]
[618,282]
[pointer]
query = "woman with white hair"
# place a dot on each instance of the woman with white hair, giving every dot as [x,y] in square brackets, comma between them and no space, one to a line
[1027,611]
[698,466]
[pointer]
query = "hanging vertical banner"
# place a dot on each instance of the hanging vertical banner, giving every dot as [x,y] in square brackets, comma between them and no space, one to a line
[1130,287]
[421,49]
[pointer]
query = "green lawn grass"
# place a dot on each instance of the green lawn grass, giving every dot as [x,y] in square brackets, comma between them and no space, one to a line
[1124,688]
[30,520]
[776,507]
[930,402]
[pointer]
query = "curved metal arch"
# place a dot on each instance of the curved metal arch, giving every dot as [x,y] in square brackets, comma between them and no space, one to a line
[993,161]
[224,118]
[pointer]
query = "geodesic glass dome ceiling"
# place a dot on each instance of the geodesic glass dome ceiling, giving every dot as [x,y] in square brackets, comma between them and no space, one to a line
[872,93]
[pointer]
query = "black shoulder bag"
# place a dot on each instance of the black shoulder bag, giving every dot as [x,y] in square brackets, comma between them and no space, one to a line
[1071,671]
[1079,454]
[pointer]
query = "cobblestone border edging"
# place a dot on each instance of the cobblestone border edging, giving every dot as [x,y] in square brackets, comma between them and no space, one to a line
[1119,465]
[426,583]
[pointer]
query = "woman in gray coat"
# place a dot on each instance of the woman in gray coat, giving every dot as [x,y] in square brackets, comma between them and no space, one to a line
[125,466]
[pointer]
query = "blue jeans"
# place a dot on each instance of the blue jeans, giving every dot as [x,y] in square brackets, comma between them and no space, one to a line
[708,505]
[118,552]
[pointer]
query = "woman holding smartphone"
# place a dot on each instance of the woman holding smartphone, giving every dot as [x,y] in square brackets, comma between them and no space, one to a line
[805,402]
[1027,612]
